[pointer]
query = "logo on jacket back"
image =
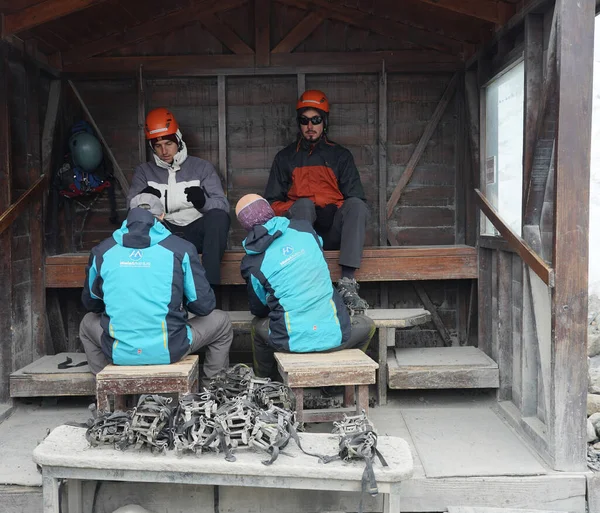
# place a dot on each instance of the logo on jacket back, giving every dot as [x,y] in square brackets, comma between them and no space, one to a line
[136,255]
[135,259]
[290,255]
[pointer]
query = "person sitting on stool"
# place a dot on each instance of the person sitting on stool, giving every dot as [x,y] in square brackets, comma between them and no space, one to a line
[290,292]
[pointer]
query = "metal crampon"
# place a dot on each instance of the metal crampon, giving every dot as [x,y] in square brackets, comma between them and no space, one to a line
[108,428]
[236,418]
[232,382]
[150,423]
[194,423]
[266,393]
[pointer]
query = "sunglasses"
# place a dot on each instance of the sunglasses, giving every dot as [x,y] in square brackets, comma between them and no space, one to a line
[315,120]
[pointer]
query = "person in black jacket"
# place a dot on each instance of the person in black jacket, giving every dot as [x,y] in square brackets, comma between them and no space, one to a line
[316,180]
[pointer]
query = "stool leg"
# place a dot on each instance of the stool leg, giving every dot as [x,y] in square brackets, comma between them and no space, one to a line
[349,396]
[120,403]
[102,399]
[299,394]
[362,399]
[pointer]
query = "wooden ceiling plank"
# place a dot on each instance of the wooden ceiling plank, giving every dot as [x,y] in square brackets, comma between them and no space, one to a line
[224,34]
[41,13]
[299,33]
[382,26]
[482,9]
[146,30]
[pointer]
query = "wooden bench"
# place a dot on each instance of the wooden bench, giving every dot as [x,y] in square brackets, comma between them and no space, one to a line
[350,368]
[31,381]
[65,454]
[123,380]
[405,263]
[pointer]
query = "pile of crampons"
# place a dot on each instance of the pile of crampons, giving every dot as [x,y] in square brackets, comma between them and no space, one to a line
[236,410]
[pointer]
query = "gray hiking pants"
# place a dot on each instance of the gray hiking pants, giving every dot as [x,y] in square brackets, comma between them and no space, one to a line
[213,331]
[347,232]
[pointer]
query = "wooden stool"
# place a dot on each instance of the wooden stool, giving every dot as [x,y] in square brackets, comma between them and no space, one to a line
[122,380]
[350,368]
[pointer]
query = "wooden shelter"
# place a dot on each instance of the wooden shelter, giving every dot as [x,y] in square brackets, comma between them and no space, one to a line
[408,82]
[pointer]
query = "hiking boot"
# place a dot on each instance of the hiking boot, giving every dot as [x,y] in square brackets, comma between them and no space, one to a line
[348,289]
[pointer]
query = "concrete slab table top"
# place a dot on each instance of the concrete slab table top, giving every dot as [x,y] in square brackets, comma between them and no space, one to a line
[65,453]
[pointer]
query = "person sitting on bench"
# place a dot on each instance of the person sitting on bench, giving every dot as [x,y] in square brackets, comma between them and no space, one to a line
[189,188]
[290,292]
[316,179]
[140,284]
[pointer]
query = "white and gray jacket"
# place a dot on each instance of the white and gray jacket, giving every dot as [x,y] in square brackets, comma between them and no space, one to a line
[171,181]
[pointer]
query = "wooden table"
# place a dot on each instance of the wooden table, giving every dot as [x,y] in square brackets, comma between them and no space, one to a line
[65,454]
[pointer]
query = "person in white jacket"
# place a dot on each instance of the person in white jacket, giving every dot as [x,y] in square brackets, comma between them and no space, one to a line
[189,188]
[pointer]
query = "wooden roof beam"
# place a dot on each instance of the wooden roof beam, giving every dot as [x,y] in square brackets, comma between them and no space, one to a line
[381,26]
[41,13]
[280,63]
[299,33]
[152,28]
[224,34]
[482,9]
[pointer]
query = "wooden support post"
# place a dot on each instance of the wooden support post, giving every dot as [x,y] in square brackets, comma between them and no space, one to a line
[6,294]
[382,160]
[537,176]
[534,76]
[50,126]
[472,108]
[301,84]
[504,326]
[575,52]
[117,169]
[262,18]
[428,304]
[484,299]
[141,115]
[222,114]
[47,145]
[461,180]
[422,144]
[36,222]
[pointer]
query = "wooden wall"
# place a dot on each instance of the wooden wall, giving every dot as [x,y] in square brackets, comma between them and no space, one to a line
[23,94]
[260,120]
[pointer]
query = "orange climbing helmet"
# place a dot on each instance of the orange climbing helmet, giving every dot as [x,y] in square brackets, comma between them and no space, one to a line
[313,99]
[160,122]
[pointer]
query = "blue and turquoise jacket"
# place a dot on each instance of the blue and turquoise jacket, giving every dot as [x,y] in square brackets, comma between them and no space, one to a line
[288,280]
[139,280]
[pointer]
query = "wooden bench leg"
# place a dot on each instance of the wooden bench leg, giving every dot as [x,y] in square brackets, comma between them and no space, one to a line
[387,338]
[50,494]
[74,496]
[391,501]
[349,396]
[362,399]
[299,394]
